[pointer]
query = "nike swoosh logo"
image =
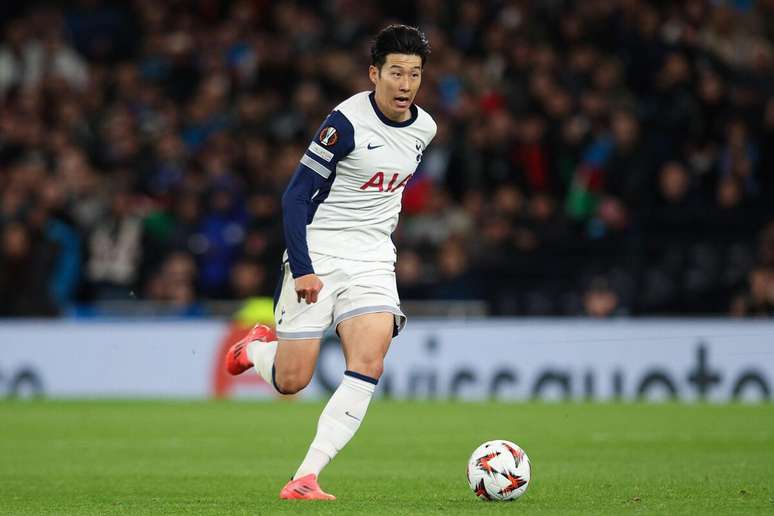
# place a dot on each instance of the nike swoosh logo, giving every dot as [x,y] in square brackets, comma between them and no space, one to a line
[350,415]
[372,147]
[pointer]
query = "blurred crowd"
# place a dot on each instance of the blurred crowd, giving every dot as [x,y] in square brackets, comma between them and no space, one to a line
[597,157]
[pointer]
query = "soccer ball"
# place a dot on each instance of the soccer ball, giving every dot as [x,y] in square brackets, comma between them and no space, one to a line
[499,470]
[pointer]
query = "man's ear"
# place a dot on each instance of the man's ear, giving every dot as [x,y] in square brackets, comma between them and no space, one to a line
[373,73]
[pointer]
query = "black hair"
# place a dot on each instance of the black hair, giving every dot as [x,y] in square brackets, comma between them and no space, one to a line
[399,39]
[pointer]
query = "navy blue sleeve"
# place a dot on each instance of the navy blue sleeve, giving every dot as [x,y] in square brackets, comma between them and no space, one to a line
[333,141]
[296,202]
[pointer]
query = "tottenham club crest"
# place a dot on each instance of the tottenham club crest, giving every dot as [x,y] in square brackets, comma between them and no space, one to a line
[329,136]
[420,149]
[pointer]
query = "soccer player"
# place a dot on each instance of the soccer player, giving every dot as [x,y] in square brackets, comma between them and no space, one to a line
[339,211]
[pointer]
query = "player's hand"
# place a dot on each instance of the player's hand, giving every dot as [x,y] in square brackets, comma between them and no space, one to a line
[308,288]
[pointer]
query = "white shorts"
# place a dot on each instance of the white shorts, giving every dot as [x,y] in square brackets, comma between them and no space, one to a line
[350,288]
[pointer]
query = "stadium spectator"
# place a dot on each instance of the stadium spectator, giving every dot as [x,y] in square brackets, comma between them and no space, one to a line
[677,208]
[600,300]
[25,268]
[412,276]
[247,279]
[26,59]
[766,167]
[174,285]
[758,299]
[455,280]
[766,245]
[115,251]
[440,220]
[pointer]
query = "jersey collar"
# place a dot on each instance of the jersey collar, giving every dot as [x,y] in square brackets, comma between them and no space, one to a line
[392,123]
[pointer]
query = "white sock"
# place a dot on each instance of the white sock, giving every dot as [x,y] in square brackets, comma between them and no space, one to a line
[262,354]
[338,422]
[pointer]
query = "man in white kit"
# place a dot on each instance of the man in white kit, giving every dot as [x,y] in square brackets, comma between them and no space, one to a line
[339,211]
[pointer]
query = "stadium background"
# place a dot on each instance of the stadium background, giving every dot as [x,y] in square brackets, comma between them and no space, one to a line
[593,158]
[593,222]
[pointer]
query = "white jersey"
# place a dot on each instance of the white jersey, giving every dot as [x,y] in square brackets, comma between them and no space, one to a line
[367,160]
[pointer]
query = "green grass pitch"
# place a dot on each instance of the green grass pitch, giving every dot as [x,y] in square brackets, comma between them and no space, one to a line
[145,457]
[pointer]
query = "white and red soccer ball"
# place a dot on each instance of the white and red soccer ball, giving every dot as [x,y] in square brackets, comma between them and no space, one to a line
[499,470]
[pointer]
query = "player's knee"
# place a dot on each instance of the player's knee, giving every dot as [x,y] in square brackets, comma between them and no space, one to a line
[372,368]
[292,382]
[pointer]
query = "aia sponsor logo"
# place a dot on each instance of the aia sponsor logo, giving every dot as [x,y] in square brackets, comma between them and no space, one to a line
[386,183]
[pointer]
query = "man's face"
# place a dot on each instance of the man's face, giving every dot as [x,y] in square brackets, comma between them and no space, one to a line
[396,84]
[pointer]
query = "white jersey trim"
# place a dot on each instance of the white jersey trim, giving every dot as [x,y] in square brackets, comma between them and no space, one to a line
[325,154]
[309,162]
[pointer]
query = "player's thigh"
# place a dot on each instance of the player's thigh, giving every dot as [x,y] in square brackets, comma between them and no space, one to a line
[365,340]
[296,359]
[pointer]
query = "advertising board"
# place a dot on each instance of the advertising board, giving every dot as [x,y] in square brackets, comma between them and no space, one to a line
[504,359]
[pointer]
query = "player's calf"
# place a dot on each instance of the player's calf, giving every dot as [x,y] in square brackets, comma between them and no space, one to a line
[291,382]
[371,368]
